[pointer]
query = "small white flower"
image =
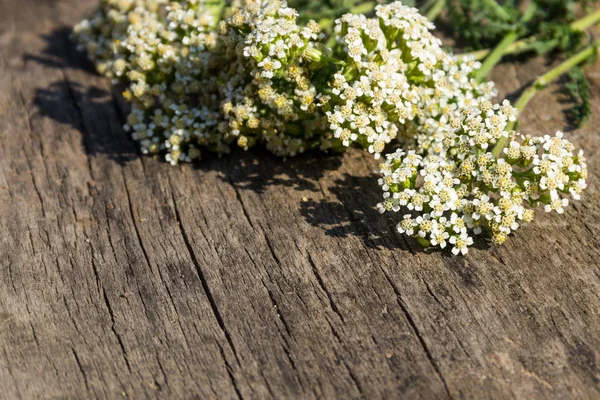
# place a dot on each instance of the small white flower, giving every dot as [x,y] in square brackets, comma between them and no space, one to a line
[407,225]
[461,243]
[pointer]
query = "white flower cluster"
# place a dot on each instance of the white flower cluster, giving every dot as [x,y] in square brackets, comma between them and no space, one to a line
[441,106]
[162,52]
[259,77]
[397,79]
[467,190]
[276,103]
[197,80]
[391,59]
[101,33]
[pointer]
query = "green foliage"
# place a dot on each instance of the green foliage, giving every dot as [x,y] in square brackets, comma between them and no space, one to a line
[577,88]
[483,23]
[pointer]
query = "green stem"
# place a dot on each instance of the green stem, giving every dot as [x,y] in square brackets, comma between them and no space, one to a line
[543,81]
[524,99]
[585,22]
[435,10]
[364,8]
[496,55]
[557,71]
[217,9]
[500,50]
[524,44]
[514,48]
[498,9]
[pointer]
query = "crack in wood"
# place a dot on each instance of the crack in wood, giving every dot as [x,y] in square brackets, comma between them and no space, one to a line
[286,348]
[205,287]
[315,271]
[114,330]
[353,377]
[229,372]
[80,367]
[418,334]
[239,199]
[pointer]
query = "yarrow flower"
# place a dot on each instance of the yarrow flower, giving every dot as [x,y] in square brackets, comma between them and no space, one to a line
[198,82]
[260,77]
[467,190]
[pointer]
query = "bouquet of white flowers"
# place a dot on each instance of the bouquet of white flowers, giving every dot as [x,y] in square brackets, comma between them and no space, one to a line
[206,75]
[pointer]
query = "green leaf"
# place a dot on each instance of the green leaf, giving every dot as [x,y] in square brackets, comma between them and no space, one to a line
[577,88]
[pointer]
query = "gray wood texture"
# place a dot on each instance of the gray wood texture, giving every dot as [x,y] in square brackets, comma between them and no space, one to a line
[252,277]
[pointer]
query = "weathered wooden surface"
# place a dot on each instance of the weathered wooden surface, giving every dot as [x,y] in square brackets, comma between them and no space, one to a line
[251,277]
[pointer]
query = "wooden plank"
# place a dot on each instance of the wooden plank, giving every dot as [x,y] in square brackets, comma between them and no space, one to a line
[252,277]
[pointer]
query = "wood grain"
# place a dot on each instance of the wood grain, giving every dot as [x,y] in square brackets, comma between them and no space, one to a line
[252,277]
